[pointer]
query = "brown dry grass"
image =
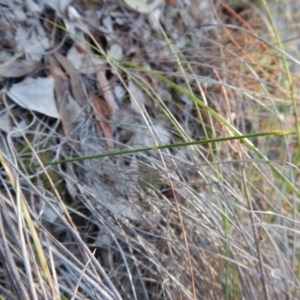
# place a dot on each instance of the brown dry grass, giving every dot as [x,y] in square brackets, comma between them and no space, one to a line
[201,222]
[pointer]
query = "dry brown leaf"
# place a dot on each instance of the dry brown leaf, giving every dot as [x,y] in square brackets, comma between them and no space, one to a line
[102,114]
[55,70]
[60,80]
[107,93]
[76,84]
[171,2]
[65,102]
[18,68]
[82,60]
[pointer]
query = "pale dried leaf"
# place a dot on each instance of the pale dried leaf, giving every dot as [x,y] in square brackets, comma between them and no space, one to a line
[123,208]
[144,138]
[6,126]
[108,27]
[102,240]
[70,113]
[129,176]
[119,91]
[142,6]
[84,62]
[50,213]
[33,42]
[75,111]
[73,13]
[18,68]
[137,97]
[74,24]
[33,7]
[70,181]
[5,56]
[162,134]
[19,14]
[35,94]
[16,130]
[115,51]
[154,20]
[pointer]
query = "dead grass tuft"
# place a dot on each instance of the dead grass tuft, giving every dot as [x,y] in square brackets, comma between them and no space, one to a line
[198,222]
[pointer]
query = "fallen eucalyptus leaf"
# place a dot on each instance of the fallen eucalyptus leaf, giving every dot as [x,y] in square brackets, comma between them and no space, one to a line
[137,97]
[32,42]
[83,61]
[115,51]
[35,94]
[18,68]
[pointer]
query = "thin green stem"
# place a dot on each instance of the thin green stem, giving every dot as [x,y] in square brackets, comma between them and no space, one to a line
[168,146]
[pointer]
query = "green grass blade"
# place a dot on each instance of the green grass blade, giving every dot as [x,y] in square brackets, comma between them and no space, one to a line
[168,146]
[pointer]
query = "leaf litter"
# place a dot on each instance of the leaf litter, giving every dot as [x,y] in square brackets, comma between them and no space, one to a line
[35,94]
[70,100]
